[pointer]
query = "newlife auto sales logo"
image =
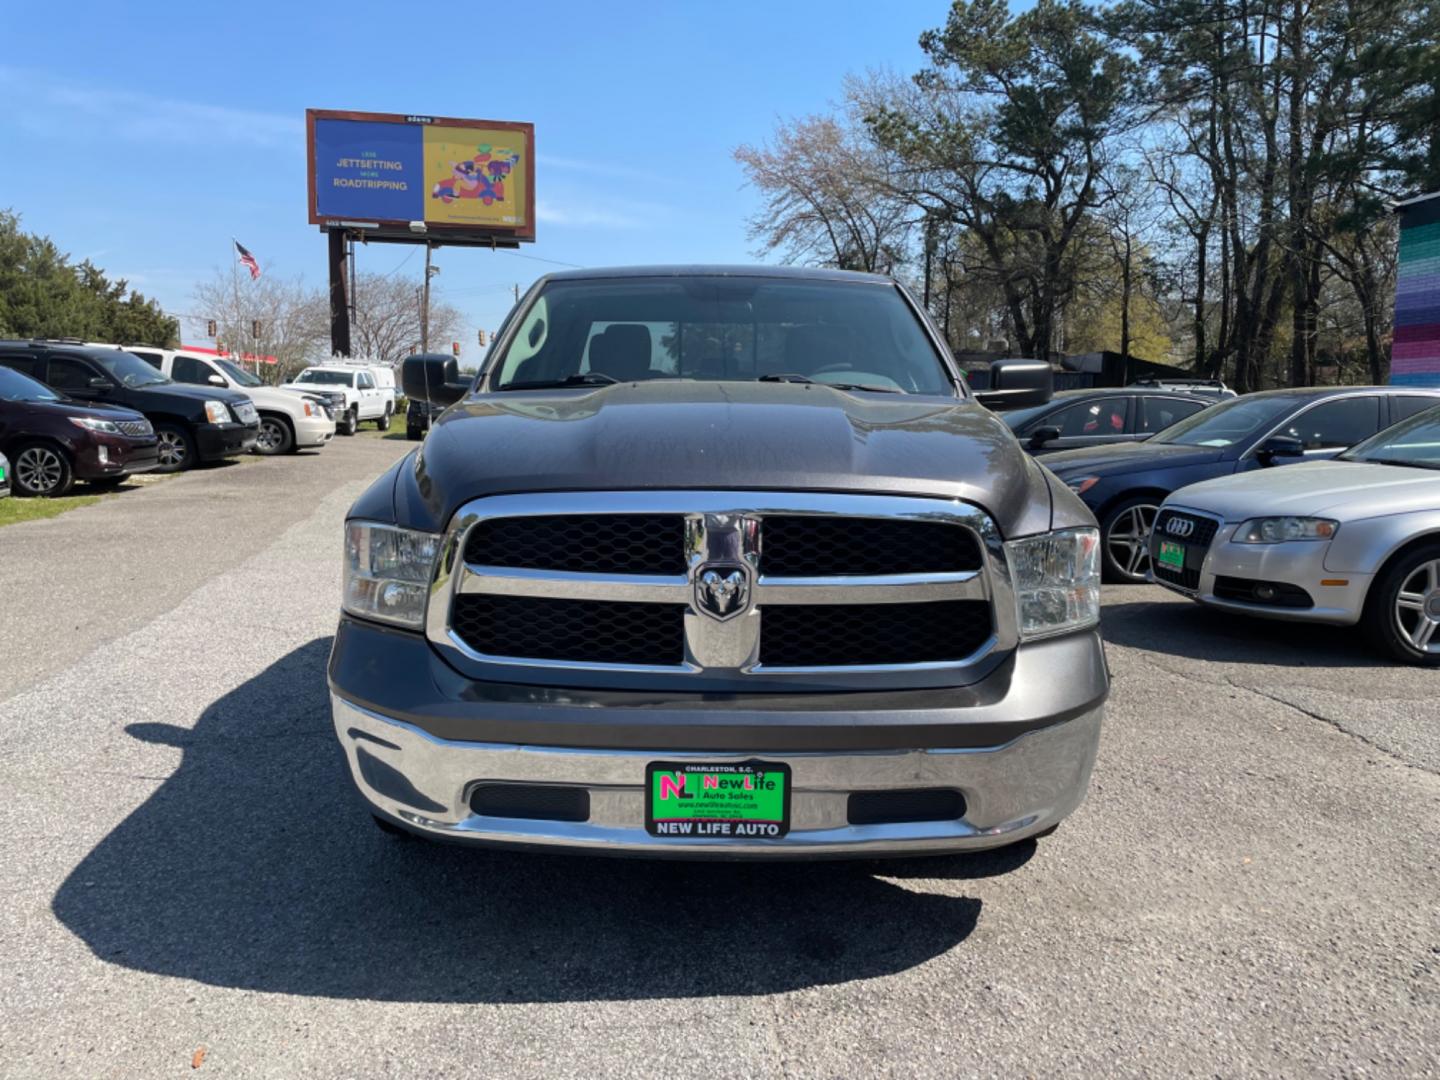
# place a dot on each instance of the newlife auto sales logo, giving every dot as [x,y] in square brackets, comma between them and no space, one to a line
[749,799]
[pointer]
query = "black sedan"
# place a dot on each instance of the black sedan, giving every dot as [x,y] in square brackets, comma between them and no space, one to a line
[1098,417]
[1125,483]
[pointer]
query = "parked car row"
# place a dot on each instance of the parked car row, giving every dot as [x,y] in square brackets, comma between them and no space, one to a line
[1348,532]
[72,410]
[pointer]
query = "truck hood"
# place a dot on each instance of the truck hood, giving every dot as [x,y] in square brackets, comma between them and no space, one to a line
[274,397]
[1344,490]
[1120,458]
[681,434]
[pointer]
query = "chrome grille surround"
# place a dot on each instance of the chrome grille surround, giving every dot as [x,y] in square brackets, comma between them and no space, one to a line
[725,529]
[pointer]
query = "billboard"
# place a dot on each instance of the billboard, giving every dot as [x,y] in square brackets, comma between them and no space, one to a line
[466,180]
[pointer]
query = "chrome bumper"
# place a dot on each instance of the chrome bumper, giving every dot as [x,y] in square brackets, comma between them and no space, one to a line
[1011,791]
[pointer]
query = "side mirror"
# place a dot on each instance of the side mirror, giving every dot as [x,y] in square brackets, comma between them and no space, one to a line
[1040,436]
[433,377]
[1018,384]
[215,380]
[1280,446]
[98,383]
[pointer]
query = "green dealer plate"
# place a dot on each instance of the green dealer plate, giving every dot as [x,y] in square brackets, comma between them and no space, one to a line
[1172,554]
[746,800]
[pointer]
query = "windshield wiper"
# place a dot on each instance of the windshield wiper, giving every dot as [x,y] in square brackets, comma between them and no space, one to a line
[584,378]
[792,377]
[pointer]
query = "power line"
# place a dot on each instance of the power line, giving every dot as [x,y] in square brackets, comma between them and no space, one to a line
[537,258]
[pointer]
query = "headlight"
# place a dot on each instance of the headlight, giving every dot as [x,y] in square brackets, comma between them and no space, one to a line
[1277,530]
[309,409]
[216,412]
[1057,581]
[388,572]
[91,424]
[1082,484]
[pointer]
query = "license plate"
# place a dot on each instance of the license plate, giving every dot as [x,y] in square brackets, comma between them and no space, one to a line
[1172,554]
[748,800]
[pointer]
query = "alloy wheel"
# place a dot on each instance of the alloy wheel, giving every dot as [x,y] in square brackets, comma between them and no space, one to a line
[39,469]
[1417,607]
[172,450]
[1129,539]
[271,437]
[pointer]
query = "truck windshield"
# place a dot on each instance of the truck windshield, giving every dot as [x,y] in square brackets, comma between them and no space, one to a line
[325,378]
[238,375]
[1227,423]
[855,335]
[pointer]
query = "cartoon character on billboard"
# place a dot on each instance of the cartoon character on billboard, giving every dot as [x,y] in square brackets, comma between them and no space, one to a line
[480,177]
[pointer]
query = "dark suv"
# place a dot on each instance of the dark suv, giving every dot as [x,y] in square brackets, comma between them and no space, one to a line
[1125,483]
[52,442]
[192,423]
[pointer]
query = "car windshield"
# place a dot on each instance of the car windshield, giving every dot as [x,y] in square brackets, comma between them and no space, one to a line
[850,334]
[17,387]
[128,369]
[1415,441]
[324,378]
[1227,423]
[237,374]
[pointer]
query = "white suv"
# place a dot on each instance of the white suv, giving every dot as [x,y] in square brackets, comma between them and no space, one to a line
[365,399]
[287,422]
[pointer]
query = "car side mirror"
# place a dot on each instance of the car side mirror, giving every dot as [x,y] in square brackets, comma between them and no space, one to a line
[1040,436]
[97,383]
[433,377]
[215,380]
[1018,384]
[1280,446]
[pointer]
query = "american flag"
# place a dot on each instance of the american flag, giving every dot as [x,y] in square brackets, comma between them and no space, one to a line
[247,260]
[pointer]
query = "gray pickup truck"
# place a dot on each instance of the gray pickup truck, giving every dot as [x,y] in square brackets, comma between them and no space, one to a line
[720,562]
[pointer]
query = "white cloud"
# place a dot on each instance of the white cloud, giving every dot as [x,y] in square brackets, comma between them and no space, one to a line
[549,213]
[58,106]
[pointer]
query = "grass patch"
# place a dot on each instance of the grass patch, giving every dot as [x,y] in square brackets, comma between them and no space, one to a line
[15,509]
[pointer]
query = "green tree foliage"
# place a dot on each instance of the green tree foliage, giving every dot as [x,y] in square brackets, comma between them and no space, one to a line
[44,294]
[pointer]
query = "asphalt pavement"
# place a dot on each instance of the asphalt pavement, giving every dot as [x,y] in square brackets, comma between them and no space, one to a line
[191,888]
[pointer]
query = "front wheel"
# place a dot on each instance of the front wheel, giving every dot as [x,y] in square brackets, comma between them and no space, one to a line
[274,438]
[1402,612]
[42,469]
[176,450]
[1125,540]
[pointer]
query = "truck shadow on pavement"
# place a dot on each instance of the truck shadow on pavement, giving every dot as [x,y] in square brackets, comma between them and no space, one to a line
[1184,629]
[255,866]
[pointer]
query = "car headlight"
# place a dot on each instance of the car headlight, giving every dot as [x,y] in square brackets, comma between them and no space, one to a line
[388,572]
[1057,581]
[90,423]
[216,412]
[1277,530]
[1082,484]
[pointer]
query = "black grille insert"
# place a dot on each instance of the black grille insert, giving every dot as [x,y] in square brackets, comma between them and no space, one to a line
[1186,579]
[896,807]
[803,546]
[582,630]
[1204,528]
[586,543]
[536,802]
[828,635]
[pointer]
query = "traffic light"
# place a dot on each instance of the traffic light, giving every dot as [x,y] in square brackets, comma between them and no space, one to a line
[482,338]
[255,329]
[455,347]
[210,328]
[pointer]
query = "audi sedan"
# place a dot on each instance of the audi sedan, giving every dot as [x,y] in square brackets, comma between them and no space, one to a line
[1347,541]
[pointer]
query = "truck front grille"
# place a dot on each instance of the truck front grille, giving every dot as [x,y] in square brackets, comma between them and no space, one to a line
[722,591]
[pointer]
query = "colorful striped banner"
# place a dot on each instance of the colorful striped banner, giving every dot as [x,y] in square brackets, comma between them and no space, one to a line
[1415,353]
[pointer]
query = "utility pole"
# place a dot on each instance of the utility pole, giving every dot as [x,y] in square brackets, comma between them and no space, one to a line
[430,271]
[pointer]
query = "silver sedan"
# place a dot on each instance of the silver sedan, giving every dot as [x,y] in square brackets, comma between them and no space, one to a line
[1353,540]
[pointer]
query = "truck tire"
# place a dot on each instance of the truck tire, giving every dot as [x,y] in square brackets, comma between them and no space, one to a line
[42,468]
[383,423]
[1402,610]
[276,436]
[1124,539]
[347,423]
[176,449]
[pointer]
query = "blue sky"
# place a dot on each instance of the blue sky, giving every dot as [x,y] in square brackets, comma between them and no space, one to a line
[145,137]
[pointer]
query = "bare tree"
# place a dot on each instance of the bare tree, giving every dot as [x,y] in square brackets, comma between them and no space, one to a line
[824,202]
[292,318]
[386,326]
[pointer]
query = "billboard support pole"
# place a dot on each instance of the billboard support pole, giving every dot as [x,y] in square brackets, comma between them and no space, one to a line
[339,302]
